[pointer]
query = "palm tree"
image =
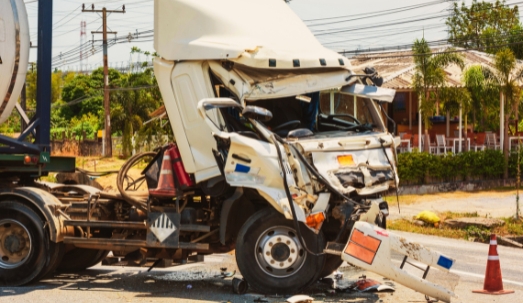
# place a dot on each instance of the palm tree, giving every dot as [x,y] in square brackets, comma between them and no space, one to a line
[505,77]
[132,105]
[454,99]
[475,83]
[430,74]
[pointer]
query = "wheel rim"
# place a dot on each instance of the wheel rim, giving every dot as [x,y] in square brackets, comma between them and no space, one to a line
[15,243]
[279,253]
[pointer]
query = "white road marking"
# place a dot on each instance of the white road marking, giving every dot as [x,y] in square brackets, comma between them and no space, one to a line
[464,273]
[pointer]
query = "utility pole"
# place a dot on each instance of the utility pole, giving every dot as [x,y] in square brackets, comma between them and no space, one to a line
[82,40]
[23,98]
[107,107]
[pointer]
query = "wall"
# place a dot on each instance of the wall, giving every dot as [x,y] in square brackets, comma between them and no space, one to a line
[453,186]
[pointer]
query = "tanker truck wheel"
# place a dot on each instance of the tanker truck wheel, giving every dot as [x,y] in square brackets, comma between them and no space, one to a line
[78,259]
[25,249]
[271,257]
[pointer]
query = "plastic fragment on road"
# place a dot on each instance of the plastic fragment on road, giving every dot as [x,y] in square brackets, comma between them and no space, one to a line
[299,299]
[428,217]
[370,247]
[224,275]
[370,285]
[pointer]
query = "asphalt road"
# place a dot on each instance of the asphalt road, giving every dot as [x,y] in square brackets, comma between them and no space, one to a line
[201,282]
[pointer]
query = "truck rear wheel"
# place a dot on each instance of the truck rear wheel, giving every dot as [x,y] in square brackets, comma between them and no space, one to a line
[271,257]
[24,253]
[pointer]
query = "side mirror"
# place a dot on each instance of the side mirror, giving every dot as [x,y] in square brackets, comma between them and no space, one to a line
[257,113]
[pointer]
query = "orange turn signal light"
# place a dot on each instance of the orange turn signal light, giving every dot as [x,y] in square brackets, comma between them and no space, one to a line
[315,220]
[346,160]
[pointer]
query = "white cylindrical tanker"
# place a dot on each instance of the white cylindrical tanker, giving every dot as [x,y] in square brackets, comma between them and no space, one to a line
[14,53]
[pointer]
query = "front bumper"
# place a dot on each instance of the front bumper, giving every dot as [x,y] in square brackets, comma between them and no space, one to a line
[369,247]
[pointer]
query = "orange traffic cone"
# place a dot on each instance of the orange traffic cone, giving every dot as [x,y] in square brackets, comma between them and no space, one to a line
[166,181]
[493,282]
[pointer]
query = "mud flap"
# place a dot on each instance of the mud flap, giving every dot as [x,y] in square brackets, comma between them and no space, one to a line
[370,247]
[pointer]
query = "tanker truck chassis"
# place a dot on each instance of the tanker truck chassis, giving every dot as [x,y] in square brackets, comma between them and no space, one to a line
[261,164]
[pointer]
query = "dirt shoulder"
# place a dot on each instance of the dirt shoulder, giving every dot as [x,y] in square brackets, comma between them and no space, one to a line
[494,203]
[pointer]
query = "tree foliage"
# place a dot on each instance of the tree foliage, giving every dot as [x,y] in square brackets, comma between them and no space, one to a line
[131,107]
[429,74]
[505,77]
[485,26]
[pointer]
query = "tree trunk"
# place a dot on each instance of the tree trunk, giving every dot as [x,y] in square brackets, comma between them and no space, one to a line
[426,146]
[448,124]
[505,145]
[473,119]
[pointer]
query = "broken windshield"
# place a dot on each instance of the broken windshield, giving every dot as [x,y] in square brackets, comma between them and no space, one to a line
[340,111]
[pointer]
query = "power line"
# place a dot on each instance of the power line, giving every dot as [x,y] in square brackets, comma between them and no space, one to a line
[380,13]
[372,55]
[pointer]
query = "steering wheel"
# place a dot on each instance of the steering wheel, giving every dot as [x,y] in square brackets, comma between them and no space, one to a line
[290,125]
[330,117]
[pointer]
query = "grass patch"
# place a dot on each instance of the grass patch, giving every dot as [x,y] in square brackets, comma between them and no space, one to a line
[452,215]
[512,227]
[406,225]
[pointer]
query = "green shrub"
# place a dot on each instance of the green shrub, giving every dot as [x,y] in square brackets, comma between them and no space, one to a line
[512,163]
[424,168]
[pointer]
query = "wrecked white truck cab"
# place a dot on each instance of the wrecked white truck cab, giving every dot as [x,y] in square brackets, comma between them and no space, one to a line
[281,154]
[242,83]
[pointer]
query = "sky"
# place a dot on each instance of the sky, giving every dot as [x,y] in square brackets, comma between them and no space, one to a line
[341,25]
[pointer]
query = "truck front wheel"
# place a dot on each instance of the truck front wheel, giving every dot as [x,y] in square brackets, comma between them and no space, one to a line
[272,259]
[24,247]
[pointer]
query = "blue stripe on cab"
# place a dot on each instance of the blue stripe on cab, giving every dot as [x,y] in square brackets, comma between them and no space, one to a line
[242,168]
[445,262]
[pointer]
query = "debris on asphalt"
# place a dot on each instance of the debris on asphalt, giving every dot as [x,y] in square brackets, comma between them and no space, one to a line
[189,286]
[419,223]
[338,275]
[239,286]
[428,217]
[370,285]
[300,299]
[224,274]
[261,300]
[149,281]
[476,222]
[509,242]
[342,284]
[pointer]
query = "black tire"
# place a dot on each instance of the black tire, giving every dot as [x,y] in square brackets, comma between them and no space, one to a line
[56,253]
[102,256]
[78,259]
[269,229]
[23,253]
[332,263]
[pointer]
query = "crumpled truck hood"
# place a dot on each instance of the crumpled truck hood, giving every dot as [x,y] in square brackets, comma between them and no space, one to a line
[245,31]
[353,162]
